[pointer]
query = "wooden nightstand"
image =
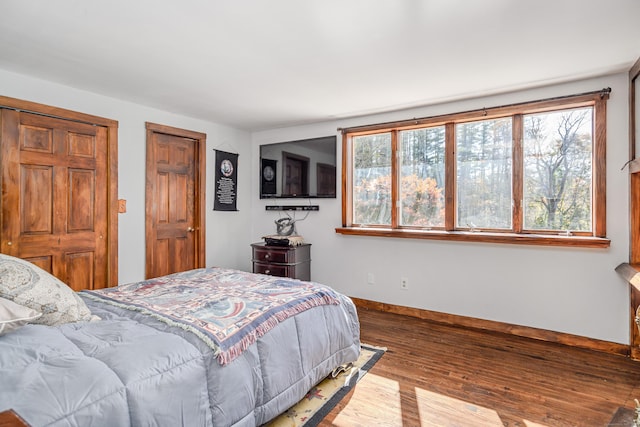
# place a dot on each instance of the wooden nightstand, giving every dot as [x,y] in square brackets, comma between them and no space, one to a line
[284,261]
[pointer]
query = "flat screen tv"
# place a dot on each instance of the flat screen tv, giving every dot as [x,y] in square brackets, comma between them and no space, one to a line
[299,169]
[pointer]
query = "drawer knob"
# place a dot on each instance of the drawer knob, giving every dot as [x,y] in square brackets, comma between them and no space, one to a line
[267,271]
[267,256]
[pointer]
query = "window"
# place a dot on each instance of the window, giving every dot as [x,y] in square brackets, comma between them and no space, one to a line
[372,179]
[530,173]
[422,177]
[558,170]
[483,174]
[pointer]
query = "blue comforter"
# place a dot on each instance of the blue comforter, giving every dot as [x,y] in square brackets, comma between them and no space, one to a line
[132,369]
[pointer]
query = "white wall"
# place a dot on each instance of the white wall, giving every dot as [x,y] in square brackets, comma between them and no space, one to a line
[569,290]
[227,232]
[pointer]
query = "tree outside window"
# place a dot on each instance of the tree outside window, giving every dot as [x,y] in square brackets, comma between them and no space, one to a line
[483,174]
[422,177]
[372,179]
[558,164]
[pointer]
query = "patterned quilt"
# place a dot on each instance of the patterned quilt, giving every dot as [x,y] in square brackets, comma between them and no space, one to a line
[228,309]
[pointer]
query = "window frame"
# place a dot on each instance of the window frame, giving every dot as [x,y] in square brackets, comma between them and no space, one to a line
[597,238]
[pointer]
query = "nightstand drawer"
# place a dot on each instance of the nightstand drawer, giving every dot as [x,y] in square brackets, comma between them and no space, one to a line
[271,269]
[265,255]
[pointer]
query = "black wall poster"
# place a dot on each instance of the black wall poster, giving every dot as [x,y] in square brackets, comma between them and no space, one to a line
[226,181]
[268,177]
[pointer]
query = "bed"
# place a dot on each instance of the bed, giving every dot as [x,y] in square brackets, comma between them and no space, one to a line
[204,347]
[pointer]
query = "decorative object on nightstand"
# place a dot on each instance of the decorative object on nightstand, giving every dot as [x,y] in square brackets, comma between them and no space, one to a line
[285,226]
[275,240]
[289,261]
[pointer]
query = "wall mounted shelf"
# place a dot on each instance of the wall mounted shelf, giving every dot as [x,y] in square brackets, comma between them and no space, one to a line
[292,208]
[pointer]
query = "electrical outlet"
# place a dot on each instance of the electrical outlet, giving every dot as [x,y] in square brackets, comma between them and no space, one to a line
[371,278]
[404,283]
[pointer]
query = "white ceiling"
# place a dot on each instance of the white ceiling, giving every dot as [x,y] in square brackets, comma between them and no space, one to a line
[262,64]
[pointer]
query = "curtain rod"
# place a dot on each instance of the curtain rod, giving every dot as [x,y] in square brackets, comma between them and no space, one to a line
[604,92]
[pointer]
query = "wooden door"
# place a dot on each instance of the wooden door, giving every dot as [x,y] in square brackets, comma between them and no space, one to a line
[326,176]
[55,196]
[174,200]
[295,170]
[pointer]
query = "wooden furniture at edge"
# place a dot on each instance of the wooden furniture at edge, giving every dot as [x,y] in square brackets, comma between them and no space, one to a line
[630,271]
[10,419]
[284,261]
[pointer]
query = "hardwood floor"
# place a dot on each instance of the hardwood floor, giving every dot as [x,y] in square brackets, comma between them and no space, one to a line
[439,375]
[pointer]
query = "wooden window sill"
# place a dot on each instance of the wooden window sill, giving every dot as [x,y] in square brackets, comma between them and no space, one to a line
[465,236]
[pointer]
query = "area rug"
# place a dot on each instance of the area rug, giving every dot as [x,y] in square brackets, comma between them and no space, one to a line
[325,396]
[624,417]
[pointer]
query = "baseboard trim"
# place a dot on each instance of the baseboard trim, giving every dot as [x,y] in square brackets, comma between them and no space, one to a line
[494,326]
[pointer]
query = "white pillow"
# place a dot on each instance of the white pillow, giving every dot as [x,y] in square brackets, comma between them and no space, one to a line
[13,316]
[27,284]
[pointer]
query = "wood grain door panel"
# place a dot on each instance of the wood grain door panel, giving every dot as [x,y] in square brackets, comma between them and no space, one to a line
[44,262]
[81,200]
[81,269]
[36,203]
[55,192]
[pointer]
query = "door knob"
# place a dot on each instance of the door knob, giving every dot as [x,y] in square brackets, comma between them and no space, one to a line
[191,229]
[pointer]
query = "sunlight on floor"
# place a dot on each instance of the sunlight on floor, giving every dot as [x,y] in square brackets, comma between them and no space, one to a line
[439,410]
[434,409]
[361,413]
